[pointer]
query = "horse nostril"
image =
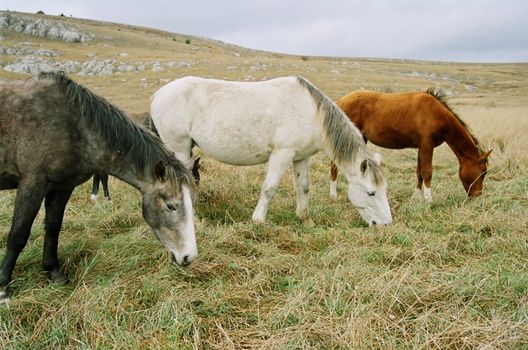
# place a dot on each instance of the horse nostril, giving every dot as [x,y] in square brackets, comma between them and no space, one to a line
[374,223]
[185,260]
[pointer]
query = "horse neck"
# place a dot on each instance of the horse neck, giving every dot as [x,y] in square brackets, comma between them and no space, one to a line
[123,168]
[461,142]
[120,164]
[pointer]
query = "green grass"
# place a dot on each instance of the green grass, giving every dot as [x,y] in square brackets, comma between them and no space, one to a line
[450,275]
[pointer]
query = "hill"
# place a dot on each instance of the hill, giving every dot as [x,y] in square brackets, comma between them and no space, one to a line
[143,59]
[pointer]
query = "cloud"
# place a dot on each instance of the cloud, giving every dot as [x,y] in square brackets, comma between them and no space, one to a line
[486,30]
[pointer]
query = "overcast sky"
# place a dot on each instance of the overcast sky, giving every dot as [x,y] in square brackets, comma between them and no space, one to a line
[440,30]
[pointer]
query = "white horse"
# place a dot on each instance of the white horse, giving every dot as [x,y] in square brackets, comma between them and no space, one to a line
[281,121]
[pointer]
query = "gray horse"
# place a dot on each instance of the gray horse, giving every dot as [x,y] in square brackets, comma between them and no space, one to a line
[54,135]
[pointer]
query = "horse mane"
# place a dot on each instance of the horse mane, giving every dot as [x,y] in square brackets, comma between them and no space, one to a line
[121,134]
[442,98]
[342,135]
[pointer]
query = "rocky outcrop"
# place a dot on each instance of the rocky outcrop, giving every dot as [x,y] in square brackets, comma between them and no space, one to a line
[25,51]
[34,64]
[42,28]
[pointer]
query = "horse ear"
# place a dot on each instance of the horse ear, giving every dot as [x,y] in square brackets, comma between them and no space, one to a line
[160,171]
[377,158]
[484,155]
[363,166]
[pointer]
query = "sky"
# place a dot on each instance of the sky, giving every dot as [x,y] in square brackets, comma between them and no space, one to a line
[437,30]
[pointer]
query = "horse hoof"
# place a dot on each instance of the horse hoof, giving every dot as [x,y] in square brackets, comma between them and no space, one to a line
[428,197]
[93,198]
[4,295]
[333,190]
[58,277]
[308,222]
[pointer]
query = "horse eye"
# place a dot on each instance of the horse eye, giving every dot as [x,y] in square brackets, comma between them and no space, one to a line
[171,207]
[371,193]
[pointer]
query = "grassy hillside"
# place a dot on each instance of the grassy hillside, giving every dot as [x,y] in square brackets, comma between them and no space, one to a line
[450,275]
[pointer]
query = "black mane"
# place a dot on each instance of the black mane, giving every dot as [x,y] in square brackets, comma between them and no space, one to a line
[122,134]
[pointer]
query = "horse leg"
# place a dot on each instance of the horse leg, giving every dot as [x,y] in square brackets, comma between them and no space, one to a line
[27,204]
[182,149]
[277,165]
[196,171]
[419,177]
[425,154]
[95,187]
[55,203]
[301,169]
[333,180]
[104,182]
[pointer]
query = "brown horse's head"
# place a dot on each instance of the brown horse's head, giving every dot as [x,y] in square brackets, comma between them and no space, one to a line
[472,174]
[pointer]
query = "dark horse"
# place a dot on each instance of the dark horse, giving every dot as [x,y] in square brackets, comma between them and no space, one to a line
[54,135]
[420,120]
[103,177]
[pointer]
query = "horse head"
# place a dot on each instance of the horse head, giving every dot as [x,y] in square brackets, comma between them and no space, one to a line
[472,174]
[168,209]
[367,190]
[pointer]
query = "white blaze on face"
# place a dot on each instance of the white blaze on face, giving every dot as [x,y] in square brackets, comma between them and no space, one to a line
[188,250]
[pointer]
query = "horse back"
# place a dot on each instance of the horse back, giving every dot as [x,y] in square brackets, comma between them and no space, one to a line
[396,120]
[37,132]
[238,123]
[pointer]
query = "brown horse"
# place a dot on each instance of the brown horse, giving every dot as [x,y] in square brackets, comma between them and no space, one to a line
[420,120]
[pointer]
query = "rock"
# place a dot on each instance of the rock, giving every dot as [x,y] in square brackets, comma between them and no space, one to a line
[185,64]
[126,68]
[95,67]
[24,51]
[470,88]
[35,65]
[42,28]
[157,67]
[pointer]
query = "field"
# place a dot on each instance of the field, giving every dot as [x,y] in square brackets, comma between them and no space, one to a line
[450,275]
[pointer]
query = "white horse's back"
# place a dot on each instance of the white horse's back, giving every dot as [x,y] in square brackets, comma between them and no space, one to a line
[238,123]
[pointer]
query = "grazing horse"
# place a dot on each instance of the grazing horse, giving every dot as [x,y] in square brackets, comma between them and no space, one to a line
[281,121]
[420,120]
[54,135]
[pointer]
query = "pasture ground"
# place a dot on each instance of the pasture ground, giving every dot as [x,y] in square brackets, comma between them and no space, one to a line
[450,275]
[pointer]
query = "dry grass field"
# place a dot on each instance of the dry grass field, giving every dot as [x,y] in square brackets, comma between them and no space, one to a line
[450,275]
